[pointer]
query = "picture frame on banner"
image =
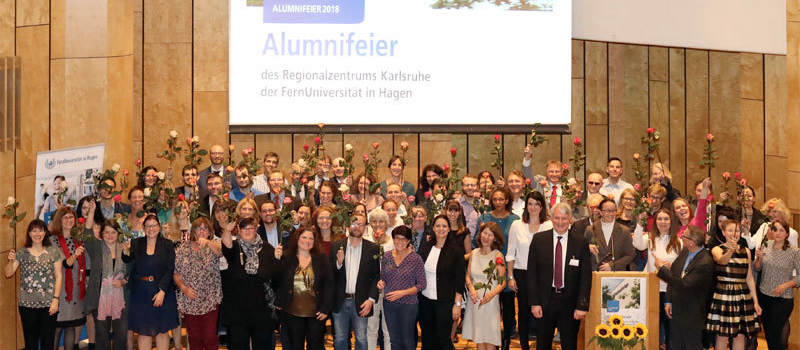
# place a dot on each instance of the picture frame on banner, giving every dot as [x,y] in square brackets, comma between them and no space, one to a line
[65,176]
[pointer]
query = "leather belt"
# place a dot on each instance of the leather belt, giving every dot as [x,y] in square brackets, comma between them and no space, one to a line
[147,278]
[349,295]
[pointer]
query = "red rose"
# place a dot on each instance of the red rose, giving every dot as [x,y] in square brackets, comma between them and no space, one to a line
[496,138]
[138,162]
[81,221]
[366,157]
[738,176]
[499,260]
[427,194]
[710,137]
[321,125]
[411,199]
[375,145]
[244,152]
[446,167]
[181,197]
[225,196]
[577,141]
[637,187]
[287,200]
[453,152]
[305,147]
[543,183]
[188,140]
[304,180]
[726,175]
[528,182]
[317,140]
[743,182]
[118,198]
[771,205]
[651,130]
[229,169]
[346,197]
[125,172]
[564,166]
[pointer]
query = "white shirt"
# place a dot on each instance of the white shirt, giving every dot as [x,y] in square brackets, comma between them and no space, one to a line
[518,207]
[352,260]
[564,240]
[430,273]
[519,242]
[548,191]
[272,235]
[608,229]
[260,183]
[754,241]
[641,241]
[615,190]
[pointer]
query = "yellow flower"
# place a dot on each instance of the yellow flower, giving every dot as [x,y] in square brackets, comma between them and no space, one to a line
[616,332]
[615,320]
[602,331]
[627,332]
[640,330]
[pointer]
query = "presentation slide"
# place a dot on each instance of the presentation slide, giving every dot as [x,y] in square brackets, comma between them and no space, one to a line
[389,62]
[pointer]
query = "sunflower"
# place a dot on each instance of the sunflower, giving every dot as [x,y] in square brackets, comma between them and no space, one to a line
[602,331]
[627,332]
[616,332]
[640,330]
[615,320]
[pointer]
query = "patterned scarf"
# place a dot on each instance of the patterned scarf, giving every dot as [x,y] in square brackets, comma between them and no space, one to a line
[250,250]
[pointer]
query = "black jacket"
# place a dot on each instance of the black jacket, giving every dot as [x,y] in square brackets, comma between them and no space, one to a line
[369,273]
[243,295]
[165,259]
[689,293]
[323,282]
[450,269]
[577,279]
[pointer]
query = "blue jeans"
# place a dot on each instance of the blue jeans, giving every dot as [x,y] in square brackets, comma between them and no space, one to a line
[348,319]
[401,320]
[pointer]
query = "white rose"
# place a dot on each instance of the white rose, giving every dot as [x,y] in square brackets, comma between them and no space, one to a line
[196,139]
[64,185]
[160,175]
[348,147]
[115,167]
[173,134]
[572,181]
[301,163]
[147,192]
[343,188]
[11,201]
[439,197]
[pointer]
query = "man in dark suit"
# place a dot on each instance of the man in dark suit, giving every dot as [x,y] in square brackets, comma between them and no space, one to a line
[593,210]
[217,156]
[355,273]
[190,188]
[560,278]
[215,191]
[277,194]
[690,279]
[612,244]
[106,206]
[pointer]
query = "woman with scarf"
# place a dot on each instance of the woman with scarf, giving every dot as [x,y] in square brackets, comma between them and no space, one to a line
[247,309]
[74,268]
[105,295]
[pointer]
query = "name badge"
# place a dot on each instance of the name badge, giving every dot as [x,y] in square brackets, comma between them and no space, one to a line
[573,262]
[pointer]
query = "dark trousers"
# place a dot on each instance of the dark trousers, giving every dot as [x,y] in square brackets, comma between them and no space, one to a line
[400,319]
[242,334]
[103,328]
[685,338]
[662,314]
[508,313]
[305,332]
[202,330]
[775,314]
[558,315]
[526,322]
[38,325]
[435,320]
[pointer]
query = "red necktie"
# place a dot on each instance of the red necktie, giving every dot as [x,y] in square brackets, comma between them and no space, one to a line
[554,196]
[558,280]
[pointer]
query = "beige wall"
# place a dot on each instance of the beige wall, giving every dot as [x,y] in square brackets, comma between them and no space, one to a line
[115,71]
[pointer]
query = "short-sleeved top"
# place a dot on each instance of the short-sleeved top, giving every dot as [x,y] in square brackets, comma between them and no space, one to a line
[37,277]
[200,271]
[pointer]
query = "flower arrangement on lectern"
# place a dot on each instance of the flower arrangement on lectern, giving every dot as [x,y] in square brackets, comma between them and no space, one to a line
[617,335]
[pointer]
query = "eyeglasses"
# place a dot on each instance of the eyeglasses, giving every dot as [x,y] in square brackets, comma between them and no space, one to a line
[323,218]
[248,228]
[594,183]
[609,210]
[357,224]
[152,226]
[201,228]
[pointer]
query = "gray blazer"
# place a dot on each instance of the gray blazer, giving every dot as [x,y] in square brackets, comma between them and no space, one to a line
[95,251]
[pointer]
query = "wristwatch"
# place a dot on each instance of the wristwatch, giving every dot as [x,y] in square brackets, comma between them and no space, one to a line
[458,303]
[510,278]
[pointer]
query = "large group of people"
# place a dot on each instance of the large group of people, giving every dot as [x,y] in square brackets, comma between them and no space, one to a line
[250,259]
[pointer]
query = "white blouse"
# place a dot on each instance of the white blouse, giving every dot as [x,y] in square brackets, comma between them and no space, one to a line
[519,242]
[754,241]
[641,241]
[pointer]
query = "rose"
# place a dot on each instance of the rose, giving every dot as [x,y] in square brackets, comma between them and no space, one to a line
[125,172]
[610,196]
[244,152]
[343,188]
[317,140]
[496,138]
[188,140]
[411,199]
[438,197]
[118,198]
[64,185]
[543,183]
[147,192]
[138,162]
[305,147]
[726,175]
[173,134]
[231,148]
[577,141]
[196,139]
[651,130]
[476,194]
[321,125]
[709,137]
[427,194]
[115,167]
[404,146]
[160,175]
[637,187]
[304,180]
[738,176]
[250,150]
[528,182]
[11,201]
[446,167]
[287,200]
[348,147]
[743,182]
[572,181]
[565,166]
[81,221]
[346,197]
[225,196]
[499,260]
[375,145]
[301,163]
[771,205]
[366,157]
[636,156]
[453,152]
[229,169]
[181,197]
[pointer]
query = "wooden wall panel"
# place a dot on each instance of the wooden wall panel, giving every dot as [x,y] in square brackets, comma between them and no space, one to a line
[752,145]
[675,149]
[167,91]
[412,170]
[278,143]
[793,90]
[436,149]
[7,176]
[578,55]
[33,12]
[241,141]
[550,150]
[8,312]
[32,47]
[628,102]
[362,144]
[211,120]
[118,137]
[74,122]
[211,45]
[775,105]
[513,145]
[658,63]
[480,158]
[578,107]
[752,75]
[596,82]
[696,115]
[659,118]
[596,148]
[136,124]
[120,27]
[7,27]
[724,87]
[168,22]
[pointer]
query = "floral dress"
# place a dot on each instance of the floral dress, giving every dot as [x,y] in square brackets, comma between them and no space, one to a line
[200,271]
[37,277]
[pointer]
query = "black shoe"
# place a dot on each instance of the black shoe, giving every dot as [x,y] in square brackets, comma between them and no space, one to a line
[223,339]
[506,343]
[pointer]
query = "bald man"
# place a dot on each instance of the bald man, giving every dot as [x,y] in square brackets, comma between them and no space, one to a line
[217,157]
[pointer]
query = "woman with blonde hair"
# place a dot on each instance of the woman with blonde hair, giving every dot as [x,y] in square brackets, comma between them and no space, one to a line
[179,224]
[247,209]
[776,210]
[660,174]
